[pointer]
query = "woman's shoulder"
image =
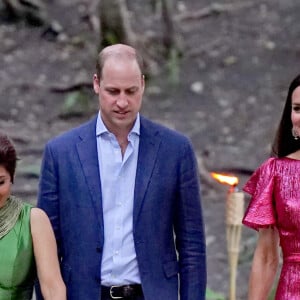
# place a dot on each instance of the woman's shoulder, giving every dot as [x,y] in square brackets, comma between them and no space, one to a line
[26,207]
[267,166]
[262,176]
[38,218]
[38,214]
[279,165]
[287,166]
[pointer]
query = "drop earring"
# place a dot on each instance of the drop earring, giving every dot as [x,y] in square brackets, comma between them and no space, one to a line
[295,134]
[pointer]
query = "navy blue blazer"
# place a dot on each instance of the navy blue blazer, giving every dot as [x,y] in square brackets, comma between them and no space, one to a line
[166,205]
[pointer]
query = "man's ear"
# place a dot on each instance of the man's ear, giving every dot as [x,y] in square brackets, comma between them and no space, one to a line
[143,82]
[96,83]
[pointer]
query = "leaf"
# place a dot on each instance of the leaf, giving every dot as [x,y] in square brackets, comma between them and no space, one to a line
[211,295]
[75,103]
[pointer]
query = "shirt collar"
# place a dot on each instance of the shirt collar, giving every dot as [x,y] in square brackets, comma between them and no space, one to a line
[101,128]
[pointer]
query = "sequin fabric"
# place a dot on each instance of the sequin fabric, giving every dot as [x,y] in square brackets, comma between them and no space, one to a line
[275,191]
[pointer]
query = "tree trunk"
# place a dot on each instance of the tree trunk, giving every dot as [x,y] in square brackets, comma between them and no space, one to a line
[115,23]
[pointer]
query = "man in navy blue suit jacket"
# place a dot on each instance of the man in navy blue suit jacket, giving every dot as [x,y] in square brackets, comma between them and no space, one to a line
[122,194]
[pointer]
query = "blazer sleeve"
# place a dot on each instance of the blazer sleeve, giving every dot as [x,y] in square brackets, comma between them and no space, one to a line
[48,191]
[189,230]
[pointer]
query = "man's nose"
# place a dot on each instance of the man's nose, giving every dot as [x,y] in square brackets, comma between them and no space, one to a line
[122,101]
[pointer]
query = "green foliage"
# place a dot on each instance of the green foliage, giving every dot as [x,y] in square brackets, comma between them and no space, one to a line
[211,295]
[110,38]
[75,103]
[272,294]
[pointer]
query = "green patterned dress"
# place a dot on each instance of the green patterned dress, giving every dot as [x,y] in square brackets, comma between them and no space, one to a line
[17,264]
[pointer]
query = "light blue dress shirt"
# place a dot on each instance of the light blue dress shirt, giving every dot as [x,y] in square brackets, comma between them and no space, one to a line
[119,263]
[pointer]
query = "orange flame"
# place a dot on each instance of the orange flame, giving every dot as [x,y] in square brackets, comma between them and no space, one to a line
[226,179]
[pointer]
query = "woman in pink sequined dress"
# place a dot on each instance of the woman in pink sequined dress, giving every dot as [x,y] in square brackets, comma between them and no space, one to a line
[274,209]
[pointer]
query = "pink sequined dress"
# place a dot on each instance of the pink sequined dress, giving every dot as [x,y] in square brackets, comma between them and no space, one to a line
[275,191]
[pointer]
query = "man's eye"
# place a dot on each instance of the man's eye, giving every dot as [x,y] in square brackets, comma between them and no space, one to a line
[2,182]
[113,92]
[131,92]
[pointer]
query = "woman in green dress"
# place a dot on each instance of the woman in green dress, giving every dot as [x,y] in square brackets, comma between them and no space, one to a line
[27,244]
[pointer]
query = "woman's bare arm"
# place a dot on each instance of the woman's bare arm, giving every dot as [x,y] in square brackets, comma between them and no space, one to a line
[45,252]
[265,264]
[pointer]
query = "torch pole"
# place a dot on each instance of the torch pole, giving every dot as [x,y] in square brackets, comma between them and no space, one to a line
[234,215]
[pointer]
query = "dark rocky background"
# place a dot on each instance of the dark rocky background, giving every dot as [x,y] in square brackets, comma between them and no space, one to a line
[226,94]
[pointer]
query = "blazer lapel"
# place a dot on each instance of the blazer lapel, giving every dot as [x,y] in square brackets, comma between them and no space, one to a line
[148,148]
[87,151]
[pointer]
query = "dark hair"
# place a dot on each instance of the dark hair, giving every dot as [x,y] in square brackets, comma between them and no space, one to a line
[8,155]
[284,142]
[118,50]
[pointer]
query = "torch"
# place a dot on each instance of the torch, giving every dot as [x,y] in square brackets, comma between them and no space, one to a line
[234,212]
